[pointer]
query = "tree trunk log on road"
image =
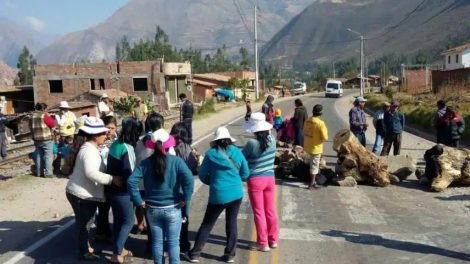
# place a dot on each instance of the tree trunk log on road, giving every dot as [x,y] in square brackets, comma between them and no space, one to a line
[359,163]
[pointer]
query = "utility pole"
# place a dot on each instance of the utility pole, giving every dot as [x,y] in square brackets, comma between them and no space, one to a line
[362,65]
[334,71]
[256,53]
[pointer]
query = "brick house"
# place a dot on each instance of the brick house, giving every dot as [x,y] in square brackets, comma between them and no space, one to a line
[54,83]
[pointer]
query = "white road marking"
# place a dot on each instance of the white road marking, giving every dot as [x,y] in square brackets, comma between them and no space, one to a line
[4,229]
[39,243]
[211,134]
[377,238]
[289,206]
[359,207]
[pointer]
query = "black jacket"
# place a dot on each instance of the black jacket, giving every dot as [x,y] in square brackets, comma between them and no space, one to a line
[451,128]
[186,110]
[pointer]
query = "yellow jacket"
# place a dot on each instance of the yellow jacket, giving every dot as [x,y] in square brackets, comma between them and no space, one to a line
[315,133]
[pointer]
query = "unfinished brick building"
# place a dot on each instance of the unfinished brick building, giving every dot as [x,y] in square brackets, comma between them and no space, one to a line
[54,83]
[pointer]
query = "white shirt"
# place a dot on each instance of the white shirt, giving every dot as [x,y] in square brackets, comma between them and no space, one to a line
[87,178]
[103,107]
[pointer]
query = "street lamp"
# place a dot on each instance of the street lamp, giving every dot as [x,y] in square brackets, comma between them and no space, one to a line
[362,60]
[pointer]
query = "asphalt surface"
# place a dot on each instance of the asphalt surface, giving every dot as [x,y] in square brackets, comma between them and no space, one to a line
[397,224]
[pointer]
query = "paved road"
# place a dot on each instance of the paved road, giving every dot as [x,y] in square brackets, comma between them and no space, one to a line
[397,224]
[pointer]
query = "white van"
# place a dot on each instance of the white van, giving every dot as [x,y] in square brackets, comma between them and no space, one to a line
[299,88]
[333,88]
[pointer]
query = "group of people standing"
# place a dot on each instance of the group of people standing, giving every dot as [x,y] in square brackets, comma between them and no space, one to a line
[154,173]
[389,124]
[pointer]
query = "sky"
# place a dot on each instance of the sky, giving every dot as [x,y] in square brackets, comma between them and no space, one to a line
[59,17]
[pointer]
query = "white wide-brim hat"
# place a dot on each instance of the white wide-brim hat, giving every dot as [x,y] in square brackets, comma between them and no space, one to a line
[257,122]
[222,133]
[93,126]
[160,135]
[64,104]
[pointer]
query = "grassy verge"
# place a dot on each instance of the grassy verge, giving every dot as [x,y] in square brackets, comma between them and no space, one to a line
[419,110]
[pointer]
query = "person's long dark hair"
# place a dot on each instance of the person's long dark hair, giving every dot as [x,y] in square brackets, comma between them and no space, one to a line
[180,133]
[129,131]
[159,161]
[263,139]
[222,143]
[154,122]
[78,141]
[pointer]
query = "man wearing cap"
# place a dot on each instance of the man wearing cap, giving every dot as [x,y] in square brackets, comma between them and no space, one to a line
[65,120]
[394,125]
[380,128]
[315,133]
[105,107]
[357,119]
[441,111]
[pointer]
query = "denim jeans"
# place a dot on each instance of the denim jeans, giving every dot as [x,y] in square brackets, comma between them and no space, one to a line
[44,158]
[299,137]
[361,136]
[123,220]
[379,141]
[165,224]
[84,211]
[210,217]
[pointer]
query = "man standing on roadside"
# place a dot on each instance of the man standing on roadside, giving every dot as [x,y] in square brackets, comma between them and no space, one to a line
[140,111]
[451,126]
[65,120]
[315,134]
[380,128]
[300,116]
[441,111]
[3,137]
[357,119]
[41,125]
[186,115]
[394,125]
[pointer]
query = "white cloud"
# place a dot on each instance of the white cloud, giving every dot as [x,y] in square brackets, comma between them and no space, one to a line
[36,23]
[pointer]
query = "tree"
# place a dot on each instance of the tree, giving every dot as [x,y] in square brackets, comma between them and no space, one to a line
[26,63]
[244,59]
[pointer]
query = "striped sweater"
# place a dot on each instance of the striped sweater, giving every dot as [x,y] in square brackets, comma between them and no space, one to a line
[261,163]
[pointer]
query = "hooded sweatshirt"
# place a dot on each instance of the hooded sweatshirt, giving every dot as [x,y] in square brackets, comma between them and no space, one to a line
[222,176]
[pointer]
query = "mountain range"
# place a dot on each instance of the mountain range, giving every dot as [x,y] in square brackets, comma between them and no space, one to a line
[202,24]
[403,27]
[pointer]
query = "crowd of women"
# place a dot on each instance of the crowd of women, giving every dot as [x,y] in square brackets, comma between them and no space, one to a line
[150,174]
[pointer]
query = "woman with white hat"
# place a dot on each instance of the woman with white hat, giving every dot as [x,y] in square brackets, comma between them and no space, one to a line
[260,153]
[223,169]
[85,186]
[105,106]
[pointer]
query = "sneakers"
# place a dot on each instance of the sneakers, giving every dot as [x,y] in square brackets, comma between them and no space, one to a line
[255,246]
[188,257]
[273,245]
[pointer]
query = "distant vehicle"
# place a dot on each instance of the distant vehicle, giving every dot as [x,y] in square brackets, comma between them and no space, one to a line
[224,95]
[333,88]
[299,88]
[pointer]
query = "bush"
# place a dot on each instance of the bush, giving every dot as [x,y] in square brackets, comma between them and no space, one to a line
[126,104]
[389,92]
[207,107]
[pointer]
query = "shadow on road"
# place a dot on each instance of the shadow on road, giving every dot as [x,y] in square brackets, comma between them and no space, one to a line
[376,240]
[460,197]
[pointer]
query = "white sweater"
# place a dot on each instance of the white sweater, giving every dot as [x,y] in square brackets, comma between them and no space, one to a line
[87,178]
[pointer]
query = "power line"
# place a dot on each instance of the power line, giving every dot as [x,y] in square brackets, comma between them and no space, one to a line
[242,17]
[390,29]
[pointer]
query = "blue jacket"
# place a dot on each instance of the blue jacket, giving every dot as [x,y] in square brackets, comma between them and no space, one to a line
[394,124]
[260,163]
[177,186]
[224,180]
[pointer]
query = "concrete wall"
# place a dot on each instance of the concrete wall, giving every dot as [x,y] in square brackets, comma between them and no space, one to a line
[77,78]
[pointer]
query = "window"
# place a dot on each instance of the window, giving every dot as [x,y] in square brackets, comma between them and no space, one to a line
[102,87]
[140,83]
[56,86]
[448,59]
[456,58]
[92,84]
